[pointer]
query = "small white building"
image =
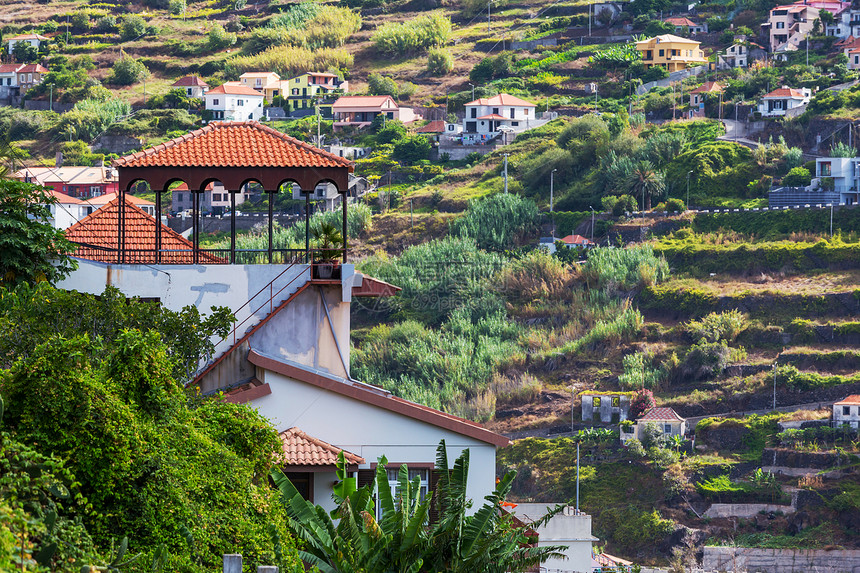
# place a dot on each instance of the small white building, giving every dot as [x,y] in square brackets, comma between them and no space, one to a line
[782,100]
[608,407]
[570,528]
[682,22]
[193,86]
[847,411]
[233,101]
[485,116]
[34,40]
[665,419]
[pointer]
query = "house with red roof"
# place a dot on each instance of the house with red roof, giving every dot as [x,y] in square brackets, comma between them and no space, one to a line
[193,86]
[577,241]
[740,54]
[234,101]
[360,111]
[697,97]
[682,22]
[287,353]
[666,420]
[487,118]
[782,101]
[78,181]
[846,412]
[788,25]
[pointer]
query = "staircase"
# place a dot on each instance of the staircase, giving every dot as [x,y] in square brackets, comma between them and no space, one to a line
[259,308]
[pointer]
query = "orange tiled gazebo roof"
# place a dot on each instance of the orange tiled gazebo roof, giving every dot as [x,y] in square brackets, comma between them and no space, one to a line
[97,236]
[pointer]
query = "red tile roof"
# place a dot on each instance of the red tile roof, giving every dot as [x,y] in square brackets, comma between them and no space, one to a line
[9,68]
[33,69]
[234,88]
[108,197]
[27,37]
[64,199]
[852,400]
[301,449]
[576,240]
[436,126]
[188,81]
[233,144]
[502,99]
[381,399]
[707,87]
[98,235]
[786,92]
[680,21]
[661,414]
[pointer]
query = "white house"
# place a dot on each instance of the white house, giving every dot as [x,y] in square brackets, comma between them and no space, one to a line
[847,411]
[570,528]
[233,101]
[782,100]
[34,40]
[682,22]
[665,419]
[8,77]
[193,86]
[486,118]
[845,173]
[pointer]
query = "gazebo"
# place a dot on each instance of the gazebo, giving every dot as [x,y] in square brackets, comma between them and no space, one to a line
[235,154]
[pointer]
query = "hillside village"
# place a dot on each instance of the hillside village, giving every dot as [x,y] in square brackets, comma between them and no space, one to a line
[257,256]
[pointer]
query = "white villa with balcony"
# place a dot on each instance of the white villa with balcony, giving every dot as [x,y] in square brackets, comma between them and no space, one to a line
[234,101]
[486,118]
[783,100]
[845,173]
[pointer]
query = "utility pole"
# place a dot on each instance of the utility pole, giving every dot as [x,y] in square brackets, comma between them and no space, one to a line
[688,190]
[51,108]
[577,477]
[774,383]
[589,28]
[319,141]
[551,182]
[506,173]
[831,220]
[592,223]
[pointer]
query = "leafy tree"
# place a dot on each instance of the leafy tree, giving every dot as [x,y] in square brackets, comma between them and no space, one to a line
[440,62]
[218,38]
[377,84]
[185,475]
[393,132]
[646,182]
[488,541]
[32,249]
[657,28]
[25,52]
[133,26]
[411,149]
[797,177]
[128,71]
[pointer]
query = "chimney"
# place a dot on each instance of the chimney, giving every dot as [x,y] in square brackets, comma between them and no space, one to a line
[58,162]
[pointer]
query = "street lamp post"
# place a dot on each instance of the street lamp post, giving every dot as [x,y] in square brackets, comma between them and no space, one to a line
[592,223]
[51,104]
[473,91]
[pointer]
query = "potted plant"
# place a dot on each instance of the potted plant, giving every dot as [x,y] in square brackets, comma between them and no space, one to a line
[328,241]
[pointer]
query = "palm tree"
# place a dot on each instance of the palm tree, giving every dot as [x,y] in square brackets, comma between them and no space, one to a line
[401,540]
[647,182]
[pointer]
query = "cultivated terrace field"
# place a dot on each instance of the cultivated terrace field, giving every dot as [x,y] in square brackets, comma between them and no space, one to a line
[714,315]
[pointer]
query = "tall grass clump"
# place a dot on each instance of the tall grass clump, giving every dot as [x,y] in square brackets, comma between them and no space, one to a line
[718,326]
[306,25]
[449,368]
[292,60]
[427,31]
[618,269]
[639,372]
[497,222]
[438,278]
[537,276]
[612,331]
[91,117]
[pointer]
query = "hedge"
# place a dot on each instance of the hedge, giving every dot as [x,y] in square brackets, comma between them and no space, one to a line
[773,224]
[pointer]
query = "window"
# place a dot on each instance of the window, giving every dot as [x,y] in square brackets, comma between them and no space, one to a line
[667,428]
[240,102]
[616,401]
[474,112]
[424,484]
[295,91]
[780,25]
[825,169]
[178,197]
[95,191]
[513,113]
[304,484]
[188,90]
[216,196]
[215,101]
[662,53]
[274,93]
[515,123]
[304,91]
[525,111]
[846,410]
[595,402]
[496,110]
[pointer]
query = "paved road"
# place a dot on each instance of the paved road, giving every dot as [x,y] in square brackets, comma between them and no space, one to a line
[735,130]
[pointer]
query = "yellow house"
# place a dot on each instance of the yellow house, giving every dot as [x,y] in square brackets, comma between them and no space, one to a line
[672,52]
[302,91]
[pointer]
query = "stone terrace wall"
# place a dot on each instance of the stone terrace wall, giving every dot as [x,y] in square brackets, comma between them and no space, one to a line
[751,560]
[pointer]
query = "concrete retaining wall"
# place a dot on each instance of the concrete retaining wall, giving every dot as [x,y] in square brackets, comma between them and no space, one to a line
[745,509]
[736,559]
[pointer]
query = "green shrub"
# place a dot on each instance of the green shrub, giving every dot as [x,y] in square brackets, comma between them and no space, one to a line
[133,26]
[718,326]
[639,372]
[218,38]
[797,177]
[128,71]
[440,62]
[378,84]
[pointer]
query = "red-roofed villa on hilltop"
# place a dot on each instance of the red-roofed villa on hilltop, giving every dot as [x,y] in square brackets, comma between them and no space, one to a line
[192,85]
